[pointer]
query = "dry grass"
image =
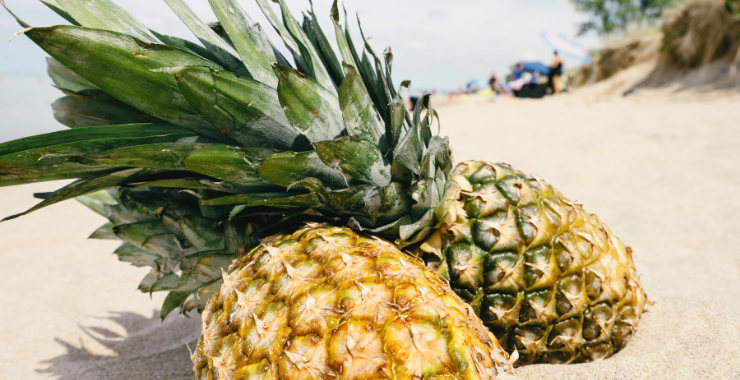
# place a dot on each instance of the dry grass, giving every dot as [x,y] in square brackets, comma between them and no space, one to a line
[699,33]
[698,48]
[617,56]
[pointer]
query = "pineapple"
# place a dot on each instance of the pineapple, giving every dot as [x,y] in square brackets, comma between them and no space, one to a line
[326,303]
[548,278]
[196,154]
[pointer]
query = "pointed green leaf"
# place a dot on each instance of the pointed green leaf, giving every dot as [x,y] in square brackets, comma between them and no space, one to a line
[358,160]
[168,247]
[215,44]
[371,82]
[172,302]
[408,151]
[146,283]
[75,113]
[388,54]
[95,107]
[232,164]
[395,116]
[208,266]
[385,94]
[380,204]
[316,69]
[360,116]
[123,67]
[91,133]
[310,107]
[130,254]
[283,32]
[198,184]
[247,199]
[158,156]
[288,167]
[141,233]
[172,281]
[105,14]
[415,232]
[242,108]
[328,56]
[365,200]
[104,232]
[142,205]
[96,201]
[256,51]
[188,46]
[91,185]
[65,78]
[341,38]
[201,233]
[58,161]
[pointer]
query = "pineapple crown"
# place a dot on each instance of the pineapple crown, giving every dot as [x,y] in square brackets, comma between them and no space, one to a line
[233,122]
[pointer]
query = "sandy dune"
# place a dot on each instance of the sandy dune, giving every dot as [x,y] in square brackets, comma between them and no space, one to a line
[662,170]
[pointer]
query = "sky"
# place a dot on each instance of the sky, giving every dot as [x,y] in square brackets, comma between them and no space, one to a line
[437,44]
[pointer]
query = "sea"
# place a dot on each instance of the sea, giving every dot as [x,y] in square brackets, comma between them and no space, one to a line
[25,106]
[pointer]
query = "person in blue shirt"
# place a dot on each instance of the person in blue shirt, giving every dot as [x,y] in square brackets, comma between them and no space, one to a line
[518,71]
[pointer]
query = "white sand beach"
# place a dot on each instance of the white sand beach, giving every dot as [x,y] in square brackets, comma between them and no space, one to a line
[661,169]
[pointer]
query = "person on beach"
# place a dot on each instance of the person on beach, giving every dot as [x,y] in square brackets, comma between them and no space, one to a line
[518,71]
[556,70]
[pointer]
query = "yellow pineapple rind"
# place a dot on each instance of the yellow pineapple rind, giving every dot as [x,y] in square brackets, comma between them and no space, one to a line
[325,302]
[548,278]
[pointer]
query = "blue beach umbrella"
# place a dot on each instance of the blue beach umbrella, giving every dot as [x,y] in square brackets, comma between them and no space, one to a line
[536,66]
[566,46]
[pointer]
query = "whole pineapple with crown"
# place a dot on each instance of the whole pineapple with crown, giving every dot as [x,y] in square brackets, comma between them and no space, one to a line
[197,153]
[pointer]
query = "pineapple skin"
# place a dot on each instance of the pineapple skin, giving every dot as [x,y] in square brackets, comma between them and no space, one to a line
[547,278]
[325,302]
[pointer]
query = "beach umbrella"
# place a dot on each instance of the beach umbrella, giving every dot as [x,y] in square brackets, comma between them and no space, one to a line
[536,66]
[566,46]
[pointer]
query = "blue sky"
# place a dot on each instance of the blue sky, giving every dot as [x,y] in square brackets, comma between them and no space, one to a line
[438,44]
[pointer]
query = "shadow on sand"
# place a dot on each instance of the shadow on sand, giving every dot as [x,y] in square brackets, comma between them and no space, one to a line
[150,349]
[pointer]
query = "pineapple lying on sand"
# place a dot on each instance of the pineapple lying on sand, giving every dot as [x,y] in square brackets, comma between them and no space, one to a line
[192,152]
[327,303]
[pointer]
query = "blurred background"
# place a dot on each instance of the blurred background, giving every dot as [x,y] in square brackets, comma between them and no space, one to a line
[454,48]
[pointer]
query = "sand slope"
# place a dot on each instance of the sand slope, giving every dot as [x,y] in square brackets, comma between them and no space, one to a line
[662,171]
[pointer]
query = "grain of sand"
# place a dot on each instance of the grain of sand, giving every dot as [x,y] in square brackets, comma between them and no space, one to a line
[663,171]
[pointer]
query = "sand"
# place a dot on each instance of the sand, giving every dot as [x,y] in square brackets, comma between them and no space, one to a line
[662,170]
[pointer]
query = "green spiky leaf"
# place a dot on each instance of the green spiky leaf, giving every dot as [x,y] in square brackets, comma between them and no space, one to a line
[232,164]
[250,42]
[215,44]
[242,108]
[127,69]
[283,32]
[311,108]
[358,160]
[91,133]
[360,116]
[65,78]
[172,302]
[105,14]
[95,107]
[137,257]
[91,185]
[286,168]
